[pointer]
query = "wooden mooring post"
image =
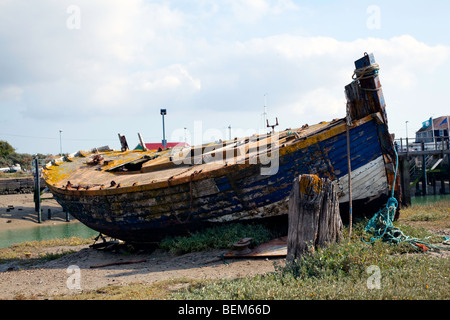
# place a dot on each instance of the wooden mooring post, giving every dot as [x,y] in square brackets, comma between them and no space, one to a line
[405,181]
[314,217]
[37,190]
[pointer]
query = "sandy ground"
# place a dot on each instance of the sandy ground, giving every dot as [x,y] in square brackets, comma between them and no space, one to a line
[23,214]
[59,276]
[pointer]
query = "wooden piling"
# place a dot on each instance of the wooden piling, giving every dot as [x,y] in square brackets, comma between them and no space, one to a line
[405,181]
[314,218]
[433,182]
[37,191]
[424,169]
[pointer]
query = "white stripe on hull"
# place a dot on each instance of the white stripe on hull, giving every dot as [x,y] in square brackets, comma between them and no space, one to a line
[368,181]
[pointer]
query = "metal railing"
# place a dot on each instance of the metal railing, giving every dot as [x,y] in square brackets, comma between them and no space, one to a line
[405,145]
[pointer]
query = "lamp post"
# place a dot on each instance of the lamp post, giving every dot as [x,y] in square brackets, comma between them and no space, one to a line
[407,147]
[164,143]
[60,143]
[406,129]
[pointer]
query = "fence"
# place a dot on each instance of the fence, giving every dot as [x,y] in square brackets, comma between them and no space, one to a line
[407,145]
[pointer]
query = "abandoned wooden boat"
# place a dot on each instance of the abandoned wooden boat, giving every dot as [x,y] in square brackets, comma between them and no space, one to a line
[143,196]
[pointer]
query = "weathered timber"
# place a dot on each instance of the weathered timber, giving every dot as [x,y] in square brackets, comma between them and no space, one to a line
[314,218]
[405,180]
[37,190]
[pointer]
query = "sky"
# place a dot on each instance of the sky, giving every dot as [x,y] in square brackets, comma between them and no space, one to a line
[75,74]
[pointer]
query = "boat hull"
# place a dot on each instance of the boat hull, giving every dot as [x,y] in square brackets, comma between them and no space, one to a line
[240,192]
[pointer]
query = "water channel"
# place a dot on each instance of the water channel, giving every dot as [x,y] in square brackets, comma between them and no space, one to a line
[61,231]
[429,199]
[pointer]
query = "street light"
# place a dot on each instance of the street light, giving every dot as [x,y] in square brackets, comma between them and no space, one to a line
[60,143]
[407,143]
[164,142]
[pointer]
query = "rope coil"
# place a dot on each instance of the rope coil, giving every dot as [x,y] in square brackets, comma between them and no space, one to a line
[367,72]
[381,226]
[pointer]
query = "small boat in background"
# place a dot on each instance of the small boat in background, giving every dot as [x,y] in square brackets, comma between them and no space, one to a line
[142,196]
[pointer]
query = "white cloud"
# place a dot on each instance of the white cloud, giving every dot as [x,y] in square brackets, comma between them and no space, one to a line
[321,102]
[128,29]
[284,5]
[253,11]
[130,57]
[111,94]
[249,11]
[174,77]
[11,93]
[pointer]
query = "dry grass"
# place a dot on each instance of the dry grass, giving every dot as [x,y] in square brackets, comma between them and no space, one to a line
[337,272]
[430,216]
[340,272]
[161,290]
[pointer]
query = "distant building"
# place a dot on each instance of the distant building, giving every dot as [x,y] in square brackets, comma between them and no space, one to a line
[434,130]
[156,146]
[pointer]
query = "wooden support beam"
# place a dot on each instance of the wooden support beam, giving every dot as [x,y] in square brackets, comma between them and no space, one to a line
[424,169]
[123,143]
[405,181]
[37,190]
[144,148]
[433,181]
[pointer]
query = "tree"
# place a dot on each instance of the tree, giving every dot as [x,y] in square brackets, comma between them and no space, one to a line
[5,149]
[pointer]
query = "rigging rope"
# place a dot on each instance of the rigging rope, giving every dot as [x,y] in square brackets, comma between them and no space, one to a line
[381,225]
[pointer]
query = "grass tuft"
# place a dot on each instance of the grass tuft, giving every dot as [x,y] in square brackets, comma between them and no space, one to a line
[220,237]
[430,216]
